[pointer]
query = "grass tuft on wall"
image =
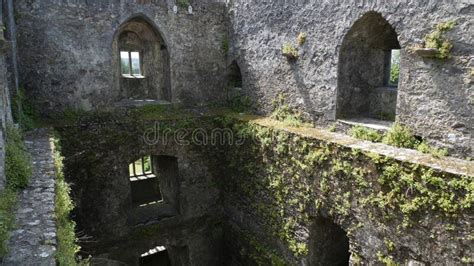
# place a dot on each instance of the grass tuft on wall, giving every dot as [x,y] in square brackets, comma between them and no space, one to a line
[67,247]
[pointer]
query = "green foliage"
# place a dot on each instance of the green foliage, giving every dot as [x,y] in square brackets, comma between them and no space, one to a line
[467,260]
[17,160]
[436,152]
[290,51]
[436,39]
[301,39]
[69,115]
[395,68]
[364,133]
[389,244]
[387,260]
[158,112]
[261,254]
[401,137]
[240,103]
[23,111]
[398,136]
[280,175]
[7,217]
[67,247]
[282,112]
[182,3]
[18,172]
[225,45]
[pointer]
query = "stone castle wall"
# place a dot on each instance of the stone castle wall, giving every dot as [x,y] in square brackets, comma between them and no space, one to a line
[186,222]
[435,97]
[8,75]
[67,58]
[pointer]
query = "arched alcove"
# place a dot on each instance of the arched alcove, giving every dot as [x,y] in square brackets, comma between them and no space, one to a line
[368,70]
[143,63]
[329,244]
[234,76]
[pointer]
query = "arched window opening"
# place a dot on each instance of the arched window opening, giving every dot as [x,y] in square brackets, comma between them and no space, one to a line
[369,66]
[155,256]
[235,76]
[329,244]
[144,67]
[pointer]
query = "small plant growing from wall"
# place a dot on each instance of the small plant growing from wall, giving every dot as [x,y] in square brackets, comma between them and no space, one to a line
[182,3]
[364,133]
[282,112]
[400,136]
[225,45]
[435,43]
[17,160]
[301,39]
[18,169]
[290,51]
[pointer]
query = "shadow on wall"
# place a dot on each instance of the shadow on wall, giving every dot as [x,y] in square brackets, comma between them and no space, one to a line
[365,86]
[142,61]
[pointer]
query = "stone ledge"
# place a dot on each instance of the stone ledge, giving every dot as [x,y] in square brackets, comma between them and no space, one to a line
[445,164]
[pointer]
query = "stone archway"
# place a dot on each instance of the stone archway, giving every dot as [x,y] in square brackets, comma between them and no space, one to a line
[329,244]
[365,87]
[143,62]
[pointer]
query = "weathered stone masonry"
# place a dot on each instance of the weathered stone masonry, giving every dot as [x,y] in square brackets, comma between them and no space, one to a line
[287,187]
[187,222]
[434,96]
[34,240]
[294,196]
[8,74]
[80,35]
[271,199]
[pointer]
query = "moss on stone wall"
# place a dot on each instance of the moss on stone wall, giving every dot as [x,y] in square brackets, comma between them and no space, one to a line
[279,178]
[7,208]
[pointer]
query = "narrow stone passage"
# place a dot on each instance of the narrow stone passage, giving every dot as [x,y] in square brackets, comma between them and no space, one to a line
[34,240]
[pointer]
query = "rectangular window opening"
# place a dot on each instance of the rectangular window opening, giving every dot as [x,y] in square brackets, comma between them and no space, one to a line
[131,64]
[136,71]
[145,188]
[125,63]
[141,169]
[394,72]
[155,256]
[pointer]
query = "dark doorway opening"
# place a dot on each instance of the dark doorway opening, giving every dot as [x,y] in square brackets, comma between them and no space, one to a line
[235,76]
[329,244]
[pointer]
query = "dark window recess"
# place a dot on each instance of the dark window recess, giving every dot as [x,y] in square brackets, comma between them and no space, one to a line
[235,76]
[144,182]
[155,257]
